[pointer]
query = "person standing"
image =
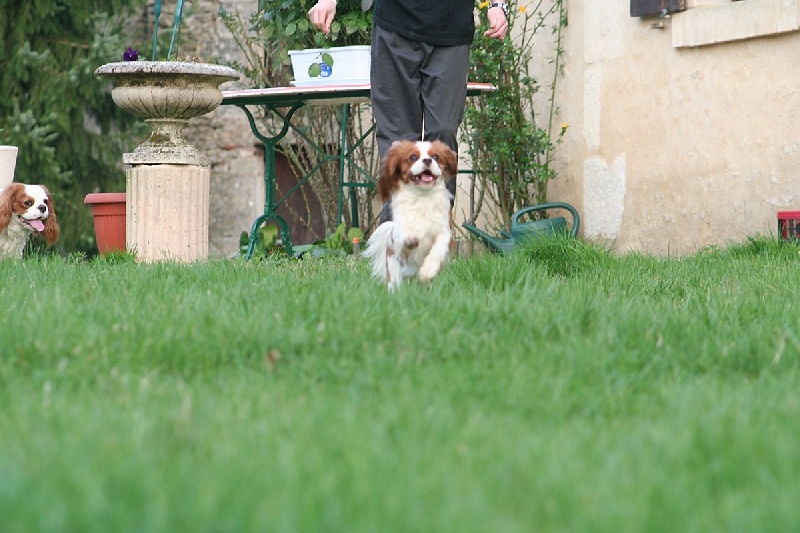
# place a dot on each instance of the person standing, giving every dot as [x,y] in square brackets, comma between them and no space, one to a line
[419,65]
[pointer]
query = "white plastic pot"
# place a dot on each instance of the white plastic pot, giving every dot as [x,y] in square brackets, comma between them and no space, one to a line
[8,162]
[342,65]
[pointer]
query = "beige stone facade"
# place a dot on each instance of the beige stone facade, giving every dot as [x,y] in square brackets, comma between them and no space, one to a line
[682,131]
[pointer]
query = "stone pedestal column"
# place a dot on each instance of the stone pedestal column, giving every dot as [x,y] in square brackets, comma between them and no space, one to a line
[167,212]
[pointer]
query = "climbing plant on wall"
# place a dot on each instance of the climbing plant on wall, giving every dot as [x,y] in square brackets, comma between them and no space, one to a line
[512,132]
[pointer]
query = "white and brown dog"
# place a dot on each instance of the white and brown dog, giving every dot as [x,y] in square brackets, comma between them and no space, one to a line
[416,242]
[24,210]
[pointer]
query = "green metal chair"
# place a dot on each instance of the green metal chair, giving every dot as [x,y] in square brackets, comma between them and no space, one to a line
[507,241]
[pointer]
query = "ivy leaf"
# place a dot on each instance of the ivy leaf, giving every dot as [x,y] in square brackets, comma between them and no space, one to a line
[327,59]
[314,70]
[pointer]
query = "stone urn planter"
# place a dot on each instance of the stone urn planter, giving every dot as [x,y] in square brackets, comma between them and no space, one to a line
[166,94]
[167,185]
[108,214]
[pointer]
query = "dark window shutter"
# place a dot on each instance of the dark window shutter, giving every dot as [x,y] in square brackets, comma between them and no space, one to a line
[645,8]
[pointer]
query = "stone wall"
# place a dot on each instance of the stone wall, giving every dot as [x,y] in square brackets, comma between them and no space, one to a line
[237,168]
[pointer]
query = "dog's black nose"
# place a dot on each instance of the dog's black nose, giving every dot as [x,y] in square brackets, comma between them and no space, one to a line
[427,161]
[42,208]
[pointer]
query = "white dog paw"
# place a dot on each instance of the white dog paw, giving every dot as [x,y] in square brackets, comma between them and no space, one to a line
[428,272]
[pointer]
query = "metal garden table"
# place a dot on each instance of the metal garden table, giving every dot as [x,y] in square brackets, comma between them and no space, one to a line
[283,102]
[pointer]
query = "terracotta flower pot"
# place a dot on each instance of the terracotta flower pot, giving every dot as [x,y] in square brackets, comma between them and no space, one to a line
[108,211]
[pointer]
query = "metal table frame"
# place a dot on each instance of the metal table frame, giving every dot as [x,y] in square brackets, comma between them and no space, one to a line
[283,102]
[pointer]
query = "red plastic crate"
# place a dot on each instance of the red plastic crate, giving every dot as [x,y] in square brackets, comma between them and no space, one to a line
[789,225]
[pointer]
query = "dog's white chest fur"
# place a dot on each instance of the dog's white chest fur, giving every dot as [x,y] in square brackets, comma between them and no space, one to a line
[422,215]
[13,240]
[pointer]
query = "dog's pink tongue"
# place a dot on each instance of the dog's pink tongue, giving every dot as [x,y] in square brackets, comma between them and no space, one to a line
[37,225]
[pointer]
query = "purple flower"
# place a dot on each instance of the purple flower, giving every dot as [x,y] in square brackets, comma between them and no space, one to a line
[130,55]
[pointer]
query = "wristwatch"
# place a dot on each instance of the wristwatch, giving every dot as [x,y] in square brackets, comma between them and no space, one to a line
[501,5]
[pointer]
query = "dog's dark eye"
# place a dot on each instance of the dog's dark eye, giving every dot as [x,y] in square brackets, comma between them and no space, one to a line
[27,203]
[436,157]
[413,157]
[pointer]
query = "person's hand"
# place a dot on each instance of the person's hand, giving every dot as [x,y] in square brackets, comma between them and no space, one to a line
[498,25]
[321,15]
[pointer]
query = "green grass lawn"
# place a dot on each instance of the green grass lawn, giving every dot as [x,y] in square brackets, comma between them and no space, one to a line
[559,389]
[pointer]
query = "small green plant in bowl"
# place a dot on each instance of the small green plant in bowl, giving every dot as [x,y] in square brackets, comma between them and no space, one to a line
[322,66]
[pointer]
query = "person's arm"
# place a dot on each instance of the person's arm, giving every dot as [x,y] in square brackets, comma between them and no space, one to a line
[497,15]
[321,15]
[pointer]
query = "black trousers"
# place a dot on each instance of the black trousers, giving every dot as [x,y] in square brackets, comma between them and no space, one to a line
[418,92]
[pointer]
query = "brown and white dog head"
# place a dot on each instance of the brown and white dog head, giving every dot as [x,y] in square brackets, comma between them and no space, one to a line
[27,209]
[419,163]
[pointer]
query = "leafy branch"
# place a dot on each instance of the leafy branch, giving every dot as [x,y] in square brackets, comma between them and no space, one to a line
[512,159]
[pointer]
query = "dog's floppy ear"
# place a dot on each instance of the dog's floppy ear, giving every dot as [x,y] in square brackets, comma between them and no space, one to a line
[51,229]
[391,170]
[451,162]
[448,159]
[6,204]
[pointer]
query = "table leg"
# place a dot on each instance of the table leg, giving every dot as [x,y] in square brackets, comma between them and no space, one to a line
[270,176]
[342,162]
[346,163]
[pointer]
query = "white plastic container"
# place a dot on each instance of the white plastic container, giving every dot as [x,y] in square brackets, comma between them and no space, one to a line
[349,65]
[8,162]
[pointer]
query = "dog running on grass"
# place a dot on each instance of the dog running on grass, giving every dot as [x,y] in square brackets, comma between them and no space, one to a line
[416,242]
